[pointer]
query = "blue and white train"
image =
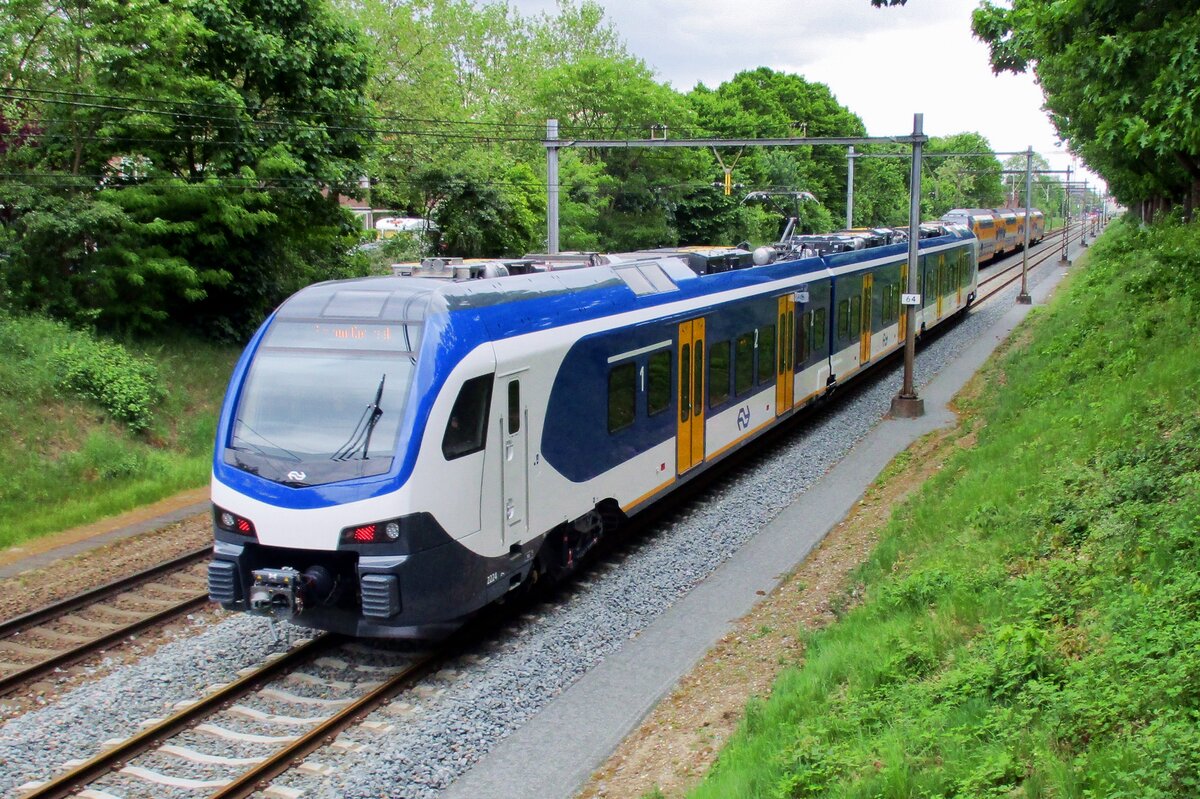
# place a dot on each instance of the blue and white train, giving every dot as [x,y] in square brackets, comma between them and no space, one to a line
[394,453]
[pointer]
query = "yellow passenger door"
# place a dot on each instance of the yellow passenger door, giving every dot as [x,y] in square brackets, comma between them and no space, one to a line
[690,434]
[864,353]
[785,365]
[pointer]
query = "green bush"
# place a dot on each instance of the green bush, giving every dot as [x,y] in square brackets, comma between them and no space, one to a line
[126,386]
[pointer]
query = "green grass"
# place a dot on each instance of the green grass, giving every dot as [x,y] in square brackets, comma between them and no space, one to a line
[74,453]
[1031,620]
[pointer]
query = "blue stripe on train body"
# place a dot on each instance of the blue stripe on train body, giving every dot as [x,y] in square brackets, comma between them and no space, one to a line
[463,316]
[578,444]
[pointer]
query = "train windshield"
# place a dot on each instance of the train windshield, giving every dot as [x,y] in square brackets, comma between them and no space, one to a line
[323,402]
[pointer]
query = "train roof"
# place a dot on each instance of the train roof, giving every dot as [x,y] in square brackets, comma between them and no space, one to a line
[969,212]
[615,285]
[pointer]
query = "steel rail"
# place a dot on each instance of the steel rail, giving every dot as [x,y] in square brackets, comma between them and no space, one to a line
[994,290]
[61,608]
[11,682]
[256,779]
[1051,237]
[79,777]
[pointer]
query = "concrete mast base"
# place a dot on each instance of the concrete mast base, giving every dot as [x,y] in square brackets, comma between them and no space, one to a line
[907,407]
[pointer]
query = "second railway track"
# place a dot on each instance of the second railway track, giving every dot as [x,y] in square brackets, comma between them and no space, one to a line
[36,644]
[1008,271]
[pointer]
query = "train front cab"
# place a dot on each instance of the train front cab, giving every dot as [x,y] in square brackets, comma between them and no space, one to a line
[401,549]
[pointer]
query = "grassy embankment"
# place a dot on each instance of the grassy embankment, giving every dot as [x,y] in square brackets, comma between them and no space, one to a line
[1030,625]
[91,428]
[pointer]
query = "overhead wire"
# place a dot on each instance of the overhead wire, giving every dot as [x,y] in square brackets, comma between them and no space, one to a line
[568,130]
[208,123]
[237,107]
[116,181]
[58,97]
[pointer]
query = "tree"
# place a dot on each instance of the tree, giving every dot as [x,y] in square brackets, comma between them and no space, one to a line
[960,181]
[485,209]
[595,97]
[763,103]
[1121,81]
[881,187]
[1047,193]
[467,90]
[216,156]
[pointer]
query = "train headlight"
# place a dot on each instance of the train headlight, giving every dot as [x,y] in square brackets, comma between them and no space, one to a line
[385,532]
[231,522]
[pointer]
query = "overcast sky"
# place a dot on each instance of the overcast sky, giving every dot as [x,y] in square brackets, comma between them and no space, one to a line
[884,64]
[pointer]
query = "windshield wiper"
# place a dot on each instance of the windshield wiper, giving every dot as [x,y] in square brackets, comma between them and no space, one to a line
[360,437]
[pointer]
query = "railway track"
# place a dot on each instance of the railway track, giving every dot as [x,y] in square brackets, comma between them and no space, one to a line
[1004,274]
[37,643]
[235,740]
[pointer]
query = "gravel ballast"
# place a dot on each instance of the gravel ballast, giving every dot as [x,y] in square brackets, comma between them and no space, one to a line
[425,739]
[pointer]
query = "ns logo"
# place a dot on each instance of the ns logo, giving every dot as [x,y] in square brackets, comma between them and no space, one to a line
[743,420]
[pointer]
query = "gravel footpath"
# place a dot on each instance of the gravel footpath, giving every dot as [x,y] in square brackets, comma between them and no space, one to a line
[429,737]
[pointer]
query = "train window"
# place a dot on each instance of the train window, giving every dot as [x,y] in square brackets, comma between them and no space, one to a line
[514,406]
[743,364]
[856,315]
[622,395]
[818,330]
[685,382]
[698,377]
[804,334]
[843,325]
[783,337]
[766,353]
[718,373]
[658,383]
[466,431]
